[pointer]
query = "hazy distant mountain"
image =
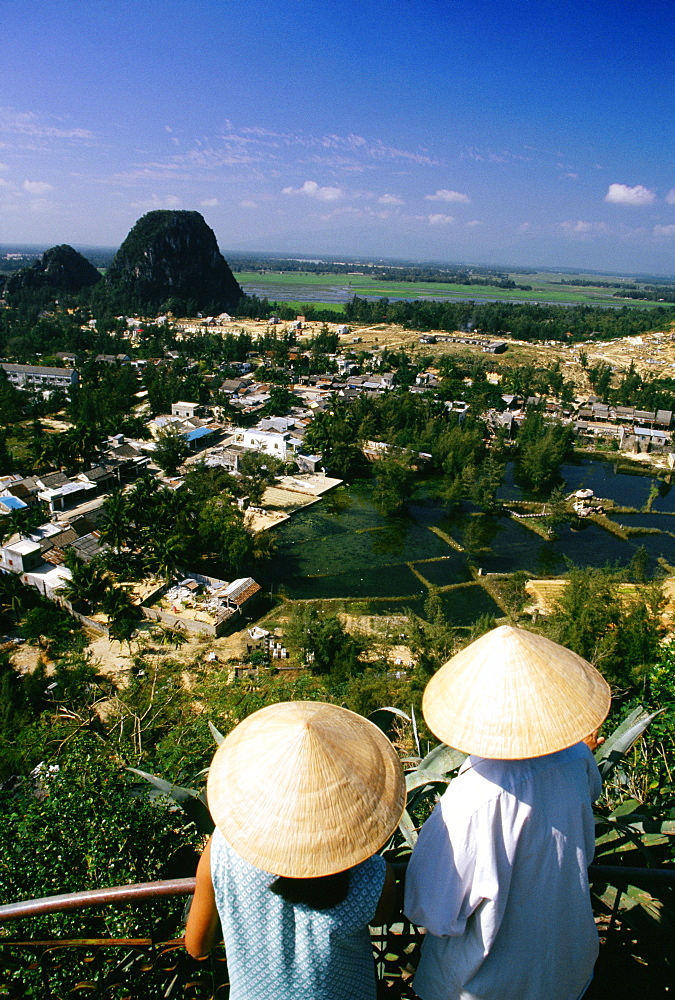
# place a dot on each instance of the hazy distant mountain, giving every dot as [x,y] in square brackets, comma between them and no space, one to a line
[58,270]
[170,260]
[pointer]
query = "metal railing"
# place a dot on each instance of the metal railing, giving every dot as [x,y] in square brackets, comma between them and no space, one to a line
[142,968]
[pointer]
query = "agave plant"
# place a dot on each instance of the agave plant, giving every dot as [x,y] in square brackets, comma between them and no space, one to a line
[191,800]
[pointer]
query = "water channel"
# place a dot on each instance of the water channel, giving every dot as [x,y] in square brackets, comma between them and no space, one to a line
[342,548]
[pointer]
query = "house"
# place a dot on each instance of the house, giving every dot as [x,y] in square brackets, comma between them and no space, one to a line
[40,377]
[112,359]
[68,495]
[10,504]
[197,438]
[104,477]
[20,556]
[186,410]
[269,442]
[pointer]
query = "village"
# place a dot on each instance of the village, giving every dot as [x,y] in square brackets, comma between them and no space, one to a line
[212,608]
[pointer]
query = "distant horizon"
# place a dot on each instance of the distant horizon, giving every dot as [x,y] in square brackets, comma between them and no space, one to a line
[360,259]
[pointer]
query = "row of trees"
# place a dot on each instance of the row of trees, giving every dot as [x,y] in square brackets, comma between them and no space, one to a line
[525,321]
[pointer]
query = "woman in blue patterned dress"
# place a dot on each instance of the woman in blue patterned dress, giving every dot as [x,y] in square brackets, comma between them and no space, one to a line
[302,795]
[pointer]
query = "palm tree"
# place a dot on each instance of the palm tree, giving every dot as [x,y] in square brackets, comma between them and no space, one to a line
[14,597]
[170,635]
[117,604]
[123,615]
[88,581]
[84,440]
[115,524]
[264,546]
[165,554]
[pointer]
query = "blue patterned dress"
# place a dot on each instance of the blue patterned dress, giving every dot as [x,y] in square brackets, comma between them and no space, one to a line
[285,951]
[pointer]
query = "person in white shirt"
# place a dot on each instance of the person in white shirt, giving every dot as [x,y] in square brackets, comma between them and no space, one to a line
[499,873]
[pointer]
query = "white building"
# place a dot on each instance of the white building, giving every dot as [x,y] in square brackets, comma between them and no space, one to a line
[40,377]
[279,445]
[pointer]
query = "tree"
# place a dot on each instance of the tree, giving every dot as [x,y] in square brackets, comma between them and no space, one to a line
[118,604]
[263,546]
[52,628]
[88,582]
[170,635]
[394,478]
[600,378]
[171,450]
[164,553]
[221,528]
[258,471]
[82,830]
[115,523]
[619,633]
[280,401]
[15,598]
[542,448]
[324,643]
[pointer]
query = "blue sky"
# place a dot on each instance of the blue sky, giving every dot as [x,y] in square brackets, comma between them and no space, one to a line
[509,133]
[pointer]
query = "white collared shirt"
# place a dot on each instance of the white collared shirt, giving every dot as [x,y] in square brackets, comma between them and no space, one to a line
[499,879]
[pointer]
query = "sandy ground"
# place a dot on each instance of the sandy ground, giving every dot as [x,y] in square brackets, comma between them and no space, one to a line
[546,593]
[115,660]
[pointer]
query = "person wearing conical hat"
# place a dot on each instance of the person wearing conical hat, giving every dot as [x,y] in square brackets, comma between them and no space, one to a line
[499,874]
[302,795]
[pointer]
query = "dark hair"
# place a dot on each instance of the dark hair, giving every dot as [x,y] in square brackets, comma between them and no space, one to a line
[320,893]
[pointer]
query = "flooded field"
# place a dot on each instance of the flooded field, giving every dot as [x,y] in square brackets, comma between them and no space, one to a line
[342,548]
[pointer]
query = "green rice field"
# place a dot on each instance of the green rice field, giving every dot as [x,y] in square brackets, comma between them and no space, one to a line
[333,290]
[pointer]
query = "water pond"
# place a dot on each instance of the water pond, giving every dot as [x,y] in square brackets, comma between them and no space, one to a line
[342,548]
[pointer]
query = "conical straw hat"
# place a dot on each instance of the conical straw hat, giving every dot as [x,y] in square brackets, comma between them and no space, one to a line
[513,694]
[305,789]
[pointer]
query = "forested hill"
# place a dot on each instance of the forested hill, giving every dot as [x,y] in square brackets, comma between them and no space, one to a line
[169,261]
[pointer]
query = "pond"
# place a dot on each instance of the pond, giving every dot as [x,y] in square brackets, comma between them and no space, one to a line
[343,548]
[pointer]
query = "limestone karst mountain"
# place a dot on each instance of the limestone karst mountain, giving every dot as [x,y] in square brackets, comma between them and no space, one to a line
[170,260]
[60,269]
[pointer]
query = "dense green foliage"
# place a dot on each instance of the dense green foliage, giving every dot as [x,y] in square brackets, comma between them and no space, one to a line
[75,825]
[543,446]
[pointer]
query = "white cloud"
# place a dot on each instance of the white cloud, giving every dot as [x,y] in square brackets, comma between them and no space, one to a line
[28,123]
[390,199]
[670,197]
[443,194]
[579,227]
[37,187]
[621,194]
[312,190]
[3,166]
[209,202]
[247,203]
[440,219]
[474,222]
[4,183]
[664,230]
[576,227]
